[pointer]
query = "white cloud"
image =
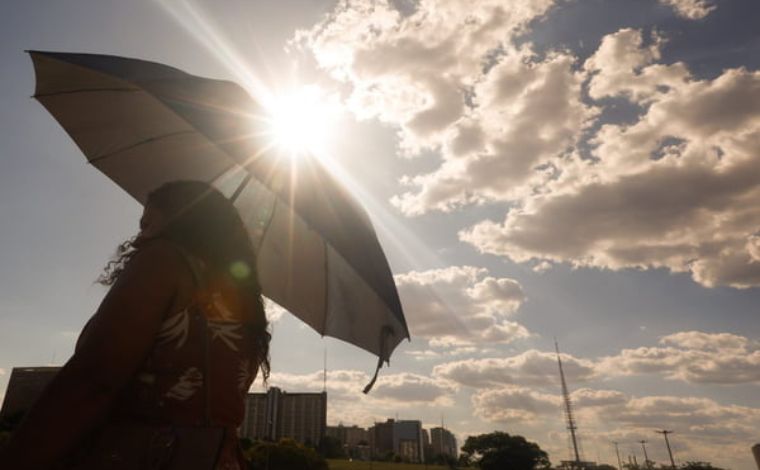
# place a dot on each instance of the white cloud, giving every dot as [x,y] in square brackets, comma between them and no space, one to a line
[391,392]
[707,429]
[507,125]
[460,305]
[690,9]
[707,341]
[613,411]
[593,398]
[414,388]
[691,356]
[513,404]
[622,66]
[531,367]
[622,209]
[526,114]
[405,388]
[690,413]
[449,77]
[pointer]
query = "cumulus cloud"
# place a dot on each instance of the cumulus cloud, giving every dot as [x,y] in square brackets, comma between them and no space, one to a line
[619,209]
[531,367]
[706,428]
[513,404]
[460,305]
[594,398]
[690,9]
[623,66]
[526,114]
[450,78]
[512,126]
[346,384]
[692,415]
[391,393]
[706,341]
[691,356]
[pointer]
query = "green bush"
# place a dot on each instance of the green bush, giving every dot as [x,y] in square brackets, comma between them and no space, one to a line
[284,455]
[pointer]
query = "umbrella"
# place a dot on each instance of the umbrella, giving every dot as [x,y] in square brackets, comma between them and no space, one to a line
[143,124]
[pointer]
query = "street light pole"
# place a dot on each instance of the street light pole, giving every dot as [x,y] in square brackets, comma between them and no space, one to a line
[646,457]
[617,451]
[665,433]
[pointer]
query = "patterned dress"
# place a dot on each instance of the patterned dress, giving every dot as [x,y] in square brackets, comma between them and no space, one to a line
[170,390]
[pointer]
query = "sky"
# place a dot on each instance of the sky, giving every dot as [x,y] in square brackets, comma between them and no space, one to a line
[585,170]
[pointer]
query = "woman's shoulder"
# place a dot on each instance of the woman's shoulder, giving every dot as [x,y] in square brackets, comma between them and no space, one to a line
[159,255]
[160,249]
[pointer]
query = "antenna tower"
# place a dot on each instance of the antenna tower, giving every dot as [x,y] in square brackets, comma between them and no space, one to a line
[568,410]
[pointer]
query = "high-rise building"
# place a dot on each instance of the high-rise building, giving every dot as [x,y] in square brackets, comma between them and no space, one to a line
[24,387]
[407,440]
[278,414]
[443,442]
[425,438]
[349,435]
[355,440]
[404,438]
[381,438]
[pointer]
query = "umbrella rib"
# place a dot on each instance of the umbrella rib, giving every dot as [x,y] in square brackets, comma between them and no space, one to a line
[83,90]
[265,230]
[240,187]
[142,142]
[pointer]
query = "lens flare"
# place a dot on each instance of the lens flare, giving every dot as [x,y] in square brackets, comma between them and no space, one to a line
[240,270]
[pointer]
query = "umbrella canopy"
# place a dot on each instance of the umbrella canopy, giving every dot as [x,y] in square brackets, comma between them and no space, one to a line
[144,124]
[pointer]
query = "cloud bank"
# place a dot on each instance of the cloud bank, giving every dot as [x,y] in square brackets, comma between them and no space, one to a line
[673,188]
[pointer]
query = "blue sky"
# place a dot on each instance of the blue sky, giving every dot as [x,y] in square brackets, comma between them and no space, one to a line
[584,170]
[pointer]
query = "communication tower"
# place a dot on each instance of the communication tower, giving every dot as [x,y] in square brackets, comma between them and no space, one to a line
[577,463]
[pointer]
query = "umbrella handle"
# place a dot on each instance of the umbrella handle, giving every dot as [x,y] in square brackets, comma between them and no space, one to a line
[384,334]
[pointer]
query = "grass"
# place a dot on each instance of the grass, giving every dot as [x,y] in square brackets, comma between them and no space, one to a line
[361,465]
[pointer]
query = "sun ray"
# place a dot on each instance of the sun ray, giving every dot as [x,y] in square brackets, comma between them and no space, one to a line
[414,252]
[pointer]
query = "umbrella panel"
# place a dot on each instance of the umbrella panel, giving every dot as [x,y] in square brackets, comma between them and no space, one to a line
[149,127]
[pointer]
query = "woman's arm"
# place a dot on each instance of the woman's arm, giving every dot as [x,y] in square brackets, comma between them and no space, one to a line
[118,339]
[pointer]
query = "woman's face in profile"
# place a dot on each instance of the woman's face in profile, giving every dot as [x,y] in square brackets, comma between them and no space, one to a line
[151,222]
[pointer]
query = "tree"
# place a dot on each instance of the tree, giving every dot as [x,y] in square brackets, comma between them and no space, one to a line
[498,450]
[331,448]
[698,466]
[284,455]
[604,466]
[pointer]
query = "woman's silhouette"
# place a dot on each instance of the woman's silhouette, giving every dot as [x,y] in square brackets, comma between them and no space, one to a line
[161,371]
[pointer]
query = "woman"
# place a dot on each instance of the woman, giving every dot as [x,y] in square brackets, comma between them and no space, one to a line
[161,371]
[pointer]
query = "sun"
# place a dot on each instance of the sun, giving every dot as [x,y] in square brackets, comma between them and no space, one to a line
[302,121]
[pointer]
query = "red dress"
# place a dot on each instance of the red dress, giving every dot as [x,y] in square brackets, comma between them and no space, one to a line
[170,390]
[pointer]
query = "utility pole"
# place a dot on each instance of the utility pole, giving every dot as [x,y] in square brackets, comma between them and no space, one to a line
[646,457]
[665,433]
[617,452]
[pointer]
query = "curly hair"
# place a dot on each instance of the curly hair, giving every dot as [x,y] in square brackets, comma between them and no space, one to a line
[201,221]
